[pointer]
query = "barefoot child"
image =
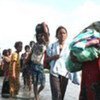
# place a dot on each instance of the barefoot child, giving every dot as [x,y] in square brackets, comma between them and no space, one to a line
[37,58]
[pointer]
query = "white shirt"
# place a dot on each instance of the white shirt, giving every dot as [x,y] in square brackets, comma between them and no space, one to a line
[58,67]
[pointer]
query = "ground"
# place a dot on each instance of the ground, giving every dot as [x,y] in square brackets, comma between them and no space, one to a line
[72,92]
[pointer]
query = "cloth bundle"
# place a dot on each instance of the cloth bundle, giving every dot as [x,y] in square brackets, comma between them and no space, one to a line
[84,47]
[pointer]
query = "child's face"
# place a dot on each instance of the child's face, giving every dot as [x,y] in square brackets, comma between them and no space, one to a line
[27,50]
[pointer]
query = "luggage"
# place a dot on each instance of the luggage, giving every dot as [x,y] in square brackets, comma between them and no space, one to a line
[85,47]
[79,48]
[5,92]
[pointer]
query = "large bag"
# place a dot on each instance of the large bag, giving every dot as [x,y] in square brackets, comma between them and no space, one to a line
[5,92]
[79,49]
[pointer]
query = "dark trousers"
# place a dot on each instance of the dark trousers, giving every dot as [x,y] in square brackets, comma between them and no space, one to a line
[58,87]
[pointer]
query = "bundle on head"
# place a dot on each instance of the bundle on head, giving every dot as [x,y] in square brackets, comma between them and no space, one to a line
[43,29]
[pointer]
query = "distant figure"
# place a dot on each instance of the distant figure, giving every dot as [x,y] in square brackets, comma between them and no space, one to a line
[1,65]
[14,70]
[26,71]
[5,64]
[31,44]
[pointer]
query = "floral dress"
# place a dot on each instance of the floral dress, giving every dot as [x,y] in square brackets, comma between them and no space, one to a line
[14,82]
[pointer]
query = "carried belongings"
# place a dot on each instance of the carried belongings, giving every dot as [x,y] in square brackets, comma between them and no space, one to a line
[85,47]
[43,29]
[5,92]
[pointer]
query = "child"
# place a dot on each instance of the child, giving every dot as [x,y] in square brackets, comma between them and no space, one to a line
[26,68]
[37,57]
[14,69]
[6,61]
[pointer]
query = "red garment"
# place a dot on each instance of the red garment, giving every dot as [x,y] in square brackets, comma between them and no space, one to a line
[90,76]
[45,63]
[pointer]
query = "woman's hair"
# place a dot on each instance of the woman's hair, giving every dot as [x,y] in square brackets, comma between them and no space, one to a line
[59,28]
[17,44]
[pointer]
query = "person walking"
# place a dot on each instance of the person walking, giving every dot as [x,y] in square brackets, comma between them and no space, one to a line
[37,58]
[5,64]
[26,71]
[90,83]
[56,56]
[84,51]
[31,44]
[14,69]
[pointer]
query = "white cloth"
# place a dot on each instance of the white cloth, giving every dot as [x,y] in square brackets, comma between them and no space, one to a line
[75,77]
[58,67]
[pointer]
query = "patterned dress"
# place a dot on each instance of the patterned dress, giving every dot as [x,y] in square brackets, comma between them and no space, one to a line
[14,82]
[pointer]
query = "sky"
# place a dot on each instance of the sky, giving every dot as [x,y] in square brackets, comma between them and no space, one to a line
[18,18]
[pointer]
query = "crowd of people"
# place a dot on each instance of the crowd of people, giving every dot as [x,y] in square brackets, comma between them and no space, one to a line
[40,55]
